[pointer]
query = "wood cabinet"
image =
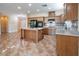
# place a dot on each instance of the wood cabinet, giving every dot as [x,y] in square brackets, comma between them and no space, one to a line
[22,33]
[33,35]
[51,14]
[47,18]
[67,45]
[30,35]
[58,19]
[40,35]
[45,31]
[71,12]
[36,18]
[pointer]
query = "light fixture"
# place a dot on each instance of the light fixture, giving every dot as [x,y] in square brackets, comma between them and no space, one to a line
[2,17]
[29,4]
[28,11]
[19,7]
[37,10]
[44,5]
[60,5]
[49,8]
[6,17]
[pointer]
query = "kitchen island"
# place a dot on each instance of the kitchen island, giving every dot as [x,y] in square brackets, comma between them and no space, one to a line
[34,34]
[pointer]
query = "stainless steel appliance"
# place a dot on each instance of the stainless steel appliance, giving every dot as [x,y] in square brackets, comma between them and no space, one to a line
[39,23]
[33,23]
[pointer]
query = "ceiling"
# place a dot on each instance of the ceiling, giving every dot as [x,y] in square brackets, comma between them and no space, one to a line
[11,8]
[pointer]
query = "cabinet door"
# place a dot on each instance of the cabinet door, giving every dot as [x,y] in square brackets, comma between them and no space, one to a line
[33,36]
[71,11]
[61,45]
[40,36]
[51,14]
[67,45]
[22,33]
[27,35]
[71,46]
[45,31]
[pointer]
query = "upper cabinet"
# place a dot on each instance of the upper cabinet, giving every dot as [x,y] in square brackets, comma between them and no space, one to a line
[71,11]
[36,18]
[51,14]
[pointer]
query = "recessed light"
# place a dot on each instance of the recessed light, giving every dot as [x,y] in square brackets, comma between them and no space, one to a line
[37,10]
[29,4]
[44,5]
[19,7]
[49,8]
[28,11]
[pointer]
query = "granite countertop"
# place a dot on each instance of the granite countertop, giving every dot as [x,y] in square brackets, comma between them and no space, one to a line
[68,33]
[40,28]
[34,28]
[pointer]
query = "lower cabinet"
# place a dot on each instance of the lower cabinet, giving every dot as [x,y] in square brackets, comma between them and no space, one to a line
[45,31]
[67,45]
[33,35]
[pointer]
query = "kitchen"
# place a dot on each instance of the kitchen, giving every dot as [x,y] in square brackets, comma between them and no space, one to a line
[62,24]
[62,29]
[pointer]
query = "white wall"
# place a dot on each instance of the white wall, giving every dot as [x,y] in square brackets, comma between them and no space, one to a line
[23,22]
[38,14]
[13,23]
[59,12]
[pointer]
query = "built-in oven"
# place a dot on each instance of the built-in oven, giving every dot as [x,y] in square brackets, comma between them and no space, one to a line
[39,23]
[33,23]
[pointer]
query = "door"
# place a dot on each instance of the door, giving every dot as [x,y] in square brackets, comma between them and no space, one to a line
[4,24]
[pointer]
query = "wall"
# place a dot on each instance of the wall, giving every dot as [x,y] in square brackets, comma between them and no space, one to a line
[13,23]
[0,23]
[78,17]
[59,12]
[0,27]
[39,14]
[23,22]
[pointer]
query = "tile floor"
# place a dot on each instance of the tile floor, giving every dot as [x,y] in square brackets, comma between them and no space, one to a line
[12,45]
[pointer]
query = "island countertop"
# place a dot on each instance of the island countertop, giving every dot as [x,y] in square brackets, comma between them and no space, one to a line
[39,28]
[33,28]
